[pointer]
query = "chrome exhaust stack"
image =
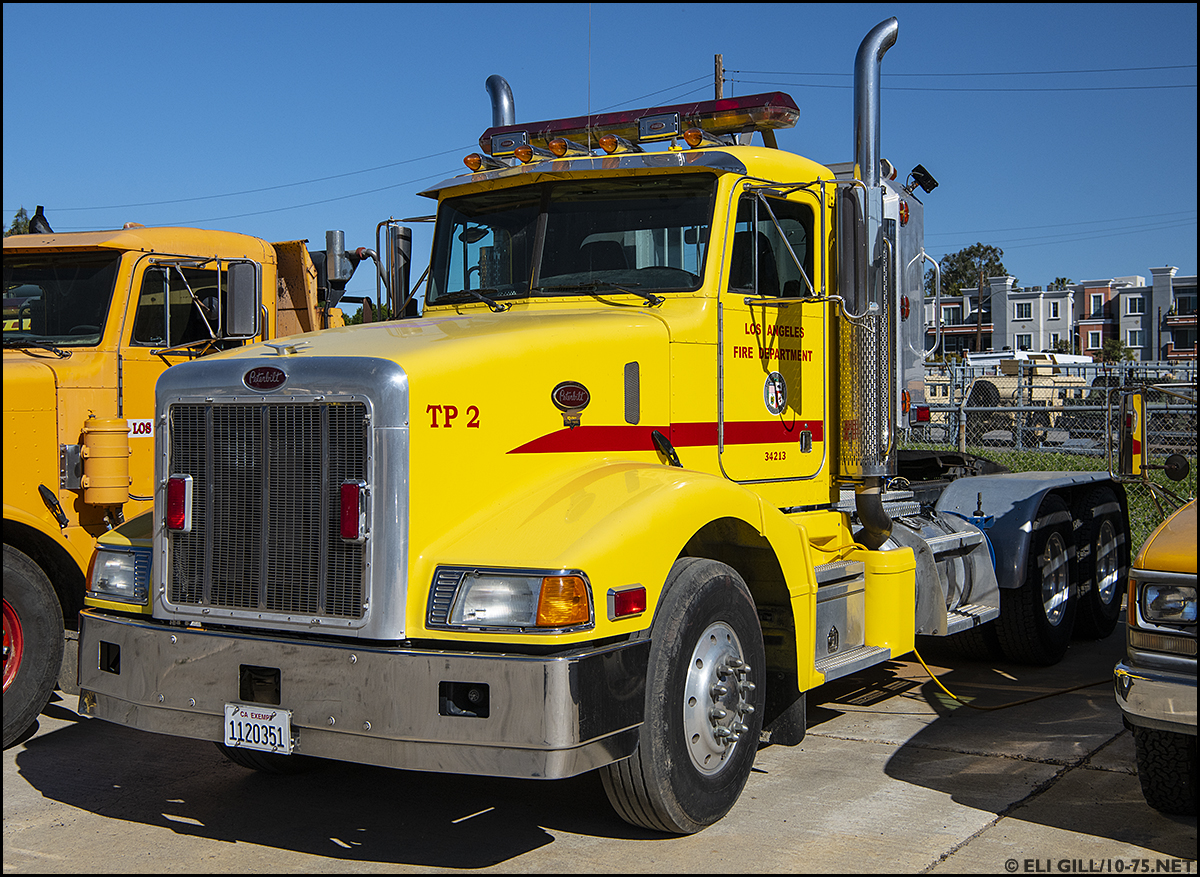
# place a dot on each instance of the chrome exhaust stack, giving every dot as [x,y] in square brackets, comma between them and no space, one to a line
[504,112]
[867,358]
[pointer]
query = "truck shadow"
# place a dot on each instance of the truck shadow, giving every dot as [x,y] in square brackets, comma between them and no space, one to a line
[337,810]
[1064,762]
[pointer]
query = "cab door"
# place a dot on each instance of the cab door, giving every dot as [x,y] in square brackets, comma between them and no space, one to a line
[771,419]
[174,315]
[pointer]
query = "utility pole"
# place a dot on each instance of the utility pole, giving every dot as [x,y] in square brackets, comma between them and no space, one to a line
[719,75]
[979,314]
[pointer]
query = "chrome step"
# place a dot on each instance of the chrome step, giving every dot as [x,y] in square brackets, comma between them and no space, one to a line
[845,663]
[954,543]
[969,615]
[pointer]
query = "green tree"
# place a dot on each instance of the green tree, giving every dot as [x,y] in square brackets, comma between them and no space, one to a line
[962,270]
[377,316]
[1061,283]
[20,223]
[1062,345]
[1114,350]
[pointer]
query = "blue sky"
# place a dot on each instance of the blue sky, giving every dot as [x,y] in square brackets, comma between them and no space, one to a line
[1049,134]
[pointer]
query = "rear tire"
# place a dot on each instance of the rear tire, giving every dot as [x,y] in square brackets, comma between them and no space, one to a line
[1037,618]
[1103,562]
[1166,764]
[704,703]
[33,642]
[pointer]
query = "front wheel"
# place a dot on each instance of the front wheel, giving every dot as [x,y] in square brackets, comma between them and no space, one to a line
[1166,764]
[33,642]
[704,703]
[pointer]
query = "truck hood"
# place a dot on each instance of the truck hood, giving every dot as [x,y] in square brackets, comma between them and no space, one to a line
[1172,547]
[470,331]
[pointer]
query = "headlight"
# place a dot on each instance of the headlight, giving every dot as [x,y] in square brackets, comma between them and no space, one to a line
[122,575]
[503,599]
[1169,604]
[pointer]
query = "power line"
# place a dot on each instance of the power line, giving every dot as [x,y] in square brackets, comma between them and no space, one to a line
[264,188]
[913,88]
[1064,224]
[993,73]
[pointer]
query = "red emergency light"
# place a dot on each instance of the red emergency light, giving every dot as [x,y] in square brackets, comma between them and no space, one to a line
[179,503]
[731,115]
[352,497]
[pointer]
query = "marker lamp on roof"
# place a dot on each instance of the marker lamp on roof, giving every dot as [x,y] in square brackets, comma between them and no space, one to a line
[561,147]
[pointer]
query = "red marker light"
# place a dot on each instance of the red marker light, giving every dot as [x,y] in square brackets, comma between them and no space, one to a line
[179,503]
[353,495]
[626,602]
[921,413]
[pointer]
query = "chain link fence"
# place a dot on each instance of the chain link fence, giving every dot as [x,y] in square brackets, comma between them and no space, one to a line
[1031,416]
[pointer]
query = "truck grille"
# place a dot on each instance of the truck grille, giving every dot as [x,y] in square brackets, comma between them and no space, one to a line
[265,514]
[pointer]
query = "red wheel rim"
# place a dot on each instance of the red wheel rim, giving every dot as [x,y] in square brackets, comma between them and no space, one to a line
[14,644]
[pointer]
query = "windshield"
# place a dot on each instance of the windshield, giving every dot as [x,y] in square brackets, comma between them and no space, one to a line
[57,298]
[645,233]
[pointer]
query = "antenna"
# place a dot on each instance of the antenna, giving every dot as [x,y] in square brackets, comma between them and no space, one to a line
[589,84]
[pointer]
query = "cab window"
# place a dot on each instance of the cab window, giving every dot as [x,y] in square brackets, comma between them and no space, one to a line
[177,306]
[759,240]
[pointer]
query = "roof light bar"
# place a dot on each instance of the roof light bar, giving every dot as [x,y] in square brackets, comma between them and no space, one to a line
[734,115]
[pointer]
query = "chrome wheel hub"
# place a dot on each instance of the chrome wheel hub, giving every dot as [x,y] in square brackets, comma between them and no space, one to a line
[1056,584]
[1107,581]
[716,698]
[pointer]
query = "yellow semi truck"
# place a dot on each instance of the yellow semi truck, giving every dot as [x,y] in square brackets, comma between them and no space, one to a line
[625,490]
[91,319]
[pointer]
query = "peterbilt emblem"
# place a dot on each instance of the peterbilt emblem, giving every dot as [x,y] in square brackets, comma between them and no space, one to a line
[570,397]
[264,378]
[831,642]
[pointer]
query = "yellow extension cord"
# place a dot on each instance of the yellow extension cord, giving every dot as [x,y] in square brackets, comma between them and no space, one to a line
[1004,705]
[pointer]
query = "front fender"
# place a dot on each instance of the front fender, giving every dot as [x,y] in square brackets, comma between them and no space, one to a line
[621,523]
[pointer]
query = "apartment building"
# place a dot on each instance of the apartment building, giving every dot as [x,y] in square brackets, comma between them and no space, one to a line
[1156,320]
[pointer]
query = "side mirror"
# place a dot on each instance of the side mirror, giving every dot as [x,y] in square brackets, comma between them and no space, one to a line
[242,297]
[1132,432]
[1177,467]
[852,250]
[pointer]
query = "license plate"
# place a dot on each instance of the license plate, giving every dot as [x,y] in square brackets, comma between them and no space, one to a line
[250,726]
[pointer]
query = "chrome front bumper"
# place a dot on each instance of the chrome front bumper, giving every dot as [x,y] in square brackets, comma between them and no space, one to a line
[548,716]
[1157,698]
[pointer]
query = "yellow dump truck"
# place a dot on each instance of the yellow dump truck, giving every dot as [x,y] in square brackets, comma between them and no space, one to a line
[91,319]
[625,490]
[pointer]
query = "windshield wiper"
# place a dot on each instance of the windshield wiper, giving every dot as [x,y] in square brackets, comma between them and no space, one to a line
[475,294]
[597,285]
[42,345]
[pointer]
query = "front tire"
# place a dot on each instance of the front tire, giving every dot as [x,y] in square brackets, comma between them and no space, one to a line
[1037,618]
[704,704]
[1166,764]
[266,762]
[33,642]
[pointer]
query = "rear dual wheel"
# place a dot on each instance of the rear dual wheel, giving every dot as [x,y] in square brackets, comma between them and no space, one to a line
[704,704]
[1037,618]
[1103,556]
